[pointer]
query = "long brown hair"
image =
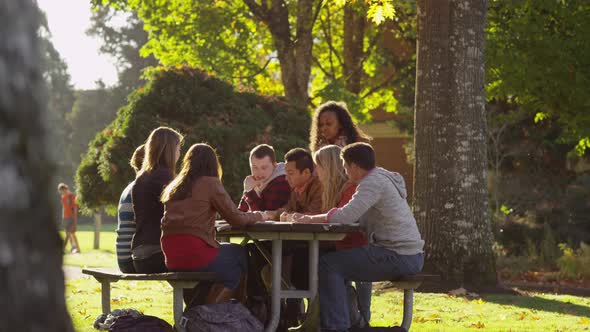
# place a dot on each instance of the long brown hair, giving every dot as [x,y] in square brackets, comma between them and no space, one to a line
[160,150]
[334,177]
[200,160]
[348,128]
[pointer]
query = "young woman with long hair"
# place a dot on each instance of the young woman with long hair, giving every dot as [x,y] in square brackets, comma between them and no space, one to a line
[192,201]
[162,150]
[332,124]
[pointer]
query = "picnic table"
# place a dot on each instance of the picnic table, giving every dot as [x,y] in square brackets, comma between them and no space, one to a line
[277,232]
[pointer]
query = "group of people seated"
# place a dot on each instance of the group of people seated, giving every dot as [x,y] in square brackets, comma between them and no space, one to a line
[167,219]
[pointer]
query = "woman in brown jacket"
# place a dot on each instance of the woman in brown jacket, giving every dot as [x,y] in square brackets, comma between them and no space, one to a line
[191,203]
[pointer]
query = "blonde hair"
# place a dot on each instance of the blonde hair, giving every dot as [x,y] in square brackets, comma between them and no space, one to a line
[160,150]
[334,177]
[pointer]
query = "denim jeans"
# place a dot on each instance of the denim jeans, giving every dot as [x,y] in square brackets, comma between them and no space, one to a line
[367,263]
[364,290]
[229,265]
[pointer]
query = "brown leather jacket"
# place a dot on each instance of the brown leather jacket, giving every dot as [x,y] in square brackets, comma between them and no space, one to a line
[308,202]
[196,214]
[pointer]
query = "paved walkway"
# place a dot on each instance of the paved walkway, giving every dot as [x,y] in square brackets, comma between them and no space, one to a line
[72,272]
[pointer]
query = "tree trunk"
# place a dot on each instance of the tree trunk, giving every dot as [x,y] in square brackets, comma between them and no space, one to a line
[352,47]
[295,55]
[31,277]
[450,193]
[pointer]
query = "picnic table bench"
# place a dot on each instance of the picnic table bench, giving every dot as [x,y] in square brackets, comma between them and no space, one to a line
[408,283]
[178,281]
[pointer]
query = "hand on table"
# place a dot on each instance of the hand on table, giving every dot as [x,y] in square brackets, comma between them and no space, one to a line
[302,218]
[286,217]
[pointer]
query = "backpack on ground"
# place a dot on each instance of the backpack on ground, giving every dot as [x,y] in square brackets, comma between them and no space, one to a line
[143,323]
[227,317]
[130,320]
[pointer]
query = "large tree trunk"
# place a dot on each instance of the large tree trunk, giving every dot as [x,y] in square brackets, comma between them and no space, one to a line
[354,24]
[31,278]
[450,193]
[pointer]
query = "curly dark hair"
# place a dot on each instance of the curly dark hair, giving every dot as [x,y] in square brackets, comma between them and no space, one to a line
[348,129]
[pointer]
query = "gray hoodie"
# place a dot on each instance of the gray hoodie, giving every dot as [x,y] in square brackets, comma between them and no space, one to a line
[380,206]
[278,171]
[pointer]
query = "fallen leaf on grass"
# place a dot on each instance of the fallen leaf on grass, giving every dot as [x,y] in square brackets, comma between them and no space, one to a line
[584,321]
[478,325]
[82,312]
[522,316]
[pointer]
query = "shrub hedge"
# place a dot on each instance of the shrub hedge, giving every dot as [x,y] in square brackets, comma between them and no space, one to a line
[204,109]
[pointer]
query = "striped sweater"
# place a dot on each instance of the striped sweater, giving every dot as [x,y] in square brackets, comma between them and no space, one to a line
[125,225]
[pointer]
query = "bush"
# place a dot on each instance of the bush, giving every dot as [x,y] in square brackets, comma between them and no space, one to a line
[574,265]
[204,109]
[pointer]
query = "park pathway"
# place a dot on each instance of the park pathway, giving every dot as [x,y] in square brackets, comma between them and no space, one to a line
[72,272]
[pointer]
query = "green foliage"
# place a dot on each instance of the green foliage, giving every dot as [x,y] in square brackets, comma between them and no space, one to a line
[537,56]
[226,39]
[574,264]
[122,42]
[548,249]
[577,205]
[204,109]
[92,111]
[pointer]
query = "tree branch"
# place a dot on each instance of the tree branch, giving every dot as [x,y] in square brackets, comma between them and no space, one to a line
[317,62]
[378,87]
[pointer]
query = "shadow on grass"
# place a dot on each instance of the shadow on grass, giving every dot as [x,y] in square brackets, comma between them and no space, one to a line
[540,304]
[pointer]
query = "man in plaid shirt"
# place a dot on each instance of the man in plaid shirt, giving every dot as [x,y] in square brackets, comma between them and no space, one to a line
[266,189]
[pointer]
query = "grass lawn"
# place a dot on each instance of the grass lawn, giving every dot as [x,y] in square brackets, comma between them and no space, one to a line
[432,312]
[102,257]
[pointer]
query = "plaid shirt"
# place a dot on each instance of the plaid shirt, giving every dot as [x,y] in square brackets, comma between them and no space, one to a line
[274,196]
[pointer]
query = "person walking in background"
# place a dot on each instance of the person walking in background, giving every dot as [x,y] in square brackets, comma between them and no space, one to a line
[162,150]
[126,218]
[69,217]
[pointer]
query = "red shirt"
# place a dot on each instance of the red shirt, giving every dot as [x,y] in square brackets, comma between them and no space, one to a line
[187,252]
[68,203]
[352,240]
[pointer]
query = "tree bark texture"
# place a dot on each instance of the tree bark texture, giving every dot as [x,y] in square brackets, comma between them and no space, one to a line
[294,50]
[450,190]
[354,24]
[31,276]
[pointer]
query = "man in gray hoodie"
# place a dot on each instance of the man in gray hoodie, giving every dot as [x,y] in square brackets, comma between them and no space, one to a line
[395,246]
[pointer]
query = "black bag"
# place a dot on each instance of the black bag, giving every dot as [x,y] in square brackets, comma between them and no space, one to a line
[142,323]
[227,317]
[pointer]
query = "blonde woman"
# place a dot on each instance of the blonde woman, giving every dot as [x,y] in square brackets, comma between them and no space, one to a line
[162,150]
